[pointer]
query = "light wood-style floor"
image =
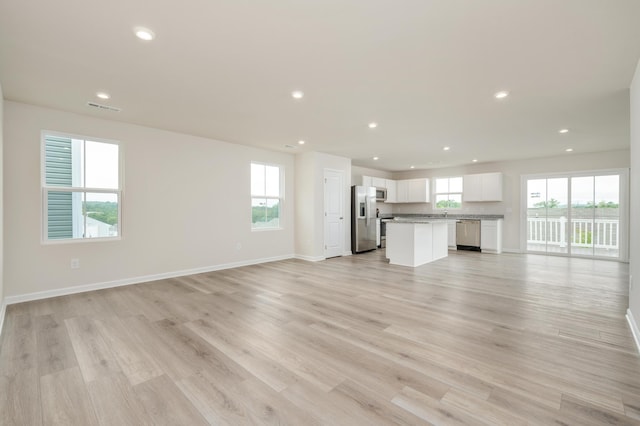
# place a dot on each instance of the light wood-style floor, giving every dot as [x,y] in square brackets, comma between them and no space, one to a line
[470,339]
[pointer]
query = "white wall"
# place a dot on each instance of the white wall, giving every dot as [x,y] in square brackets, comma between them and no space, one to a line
[310,168]
[1,213]
[186,205]
[513,170]
[634,259]
[305,208]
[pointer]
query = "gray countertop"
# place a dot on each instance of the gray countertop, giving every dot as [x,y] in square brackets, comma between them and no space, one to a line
[432,217]
[417,220]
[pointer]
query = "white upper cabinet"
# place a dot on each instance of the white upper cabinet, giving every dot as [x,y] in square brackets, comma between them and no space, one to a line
[419,190]
[412,191]
[492,187]
[373,181]
[401,191]
[391,191]
[472,188]
[482,187]
[378,182]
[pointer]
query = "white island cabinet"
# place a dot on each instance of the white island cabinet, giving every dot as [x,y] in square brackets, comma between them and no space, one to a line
[414,243]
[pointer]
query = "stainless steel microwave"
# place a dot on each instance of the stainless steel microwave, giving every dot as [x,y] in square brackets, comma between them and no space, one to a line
[381,194]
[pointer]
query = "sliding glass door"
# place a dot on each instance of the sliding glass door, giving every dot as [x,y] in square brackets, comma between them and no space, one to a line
[595,215]
[547,215]
[576,215]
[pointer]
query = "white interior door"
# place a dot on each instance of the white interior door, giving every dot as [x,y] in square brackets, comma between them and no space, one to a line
[333,213]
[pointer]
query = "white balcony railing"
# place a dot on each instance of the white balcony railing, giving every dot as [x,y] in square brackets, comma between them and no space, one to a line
[598,233]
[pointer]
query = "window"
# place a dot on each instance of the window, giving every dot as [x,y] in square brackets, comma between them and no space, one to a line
[449,193]
[81,188]
[266,197]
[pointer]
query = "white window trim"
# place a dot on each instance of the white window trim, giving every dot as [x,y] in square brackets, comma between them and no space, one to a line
[280,199]
[436,193]
[45,189]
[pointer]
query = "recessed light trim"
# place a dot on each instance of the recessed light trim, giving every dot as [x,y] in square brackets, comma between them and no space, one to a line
[373,125]
[446,148]
[376,158]
[563,131]
[144,34]
[301,142]
[569,149]
[103,95]
[501,94]
[412,167]
[475,160]
[297,94]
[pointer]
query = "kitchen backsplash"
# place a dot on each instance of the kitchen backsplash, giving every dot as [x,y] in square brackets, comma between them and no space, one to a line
[467,208]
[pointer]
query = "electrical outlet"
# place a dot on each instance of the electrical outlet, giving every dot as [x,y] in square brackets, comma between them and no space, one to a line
[75,263]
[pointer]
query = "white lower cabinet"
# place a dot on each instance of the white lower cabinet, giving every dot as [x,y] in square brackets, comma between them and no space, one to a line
[491,236]
[451,234]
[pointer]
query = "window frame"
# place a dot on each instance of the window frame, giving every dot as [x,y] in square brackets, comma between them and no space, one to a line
[280,196]
[45,189]
[448,193]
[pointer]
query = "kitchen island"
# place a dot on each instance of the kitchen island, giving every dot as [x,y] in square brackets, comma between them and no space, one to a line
[412,242]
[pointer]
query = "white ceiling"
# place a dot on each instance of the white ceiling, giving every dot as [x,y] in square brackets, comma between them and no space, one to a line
[425,70]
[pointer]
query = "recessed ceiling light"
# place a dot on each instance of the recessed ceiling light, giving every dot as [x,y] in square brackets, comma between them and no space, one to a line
[412,167]
[563,131]
[376,158]
[446,148]
[300,142]
[569,149]
[297,94]
[103,95]
[475,160]
[373,125]
[144,33]
[501,95]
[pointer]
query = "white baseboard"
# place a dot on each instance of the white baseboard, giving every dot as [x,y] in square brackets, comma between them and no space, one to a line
[510,250]
[634,328]
[3,311]
[310,258]
[135,280]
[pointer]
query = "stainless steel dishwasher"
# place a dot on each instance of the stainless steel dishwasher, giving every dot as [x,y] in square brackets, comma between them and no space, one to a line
[468,234]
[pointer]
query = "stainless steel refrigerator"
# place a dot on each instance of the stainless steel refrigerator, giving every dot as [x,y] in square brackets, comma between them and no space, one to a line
[363,218]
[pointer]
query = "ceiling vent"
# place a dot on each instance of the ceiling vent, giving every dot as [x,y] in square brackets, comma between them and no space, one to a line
[103,107]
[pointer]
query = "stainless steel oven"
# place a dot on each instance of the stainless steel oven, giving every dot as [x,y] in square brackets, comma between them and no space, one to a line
[383,233]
